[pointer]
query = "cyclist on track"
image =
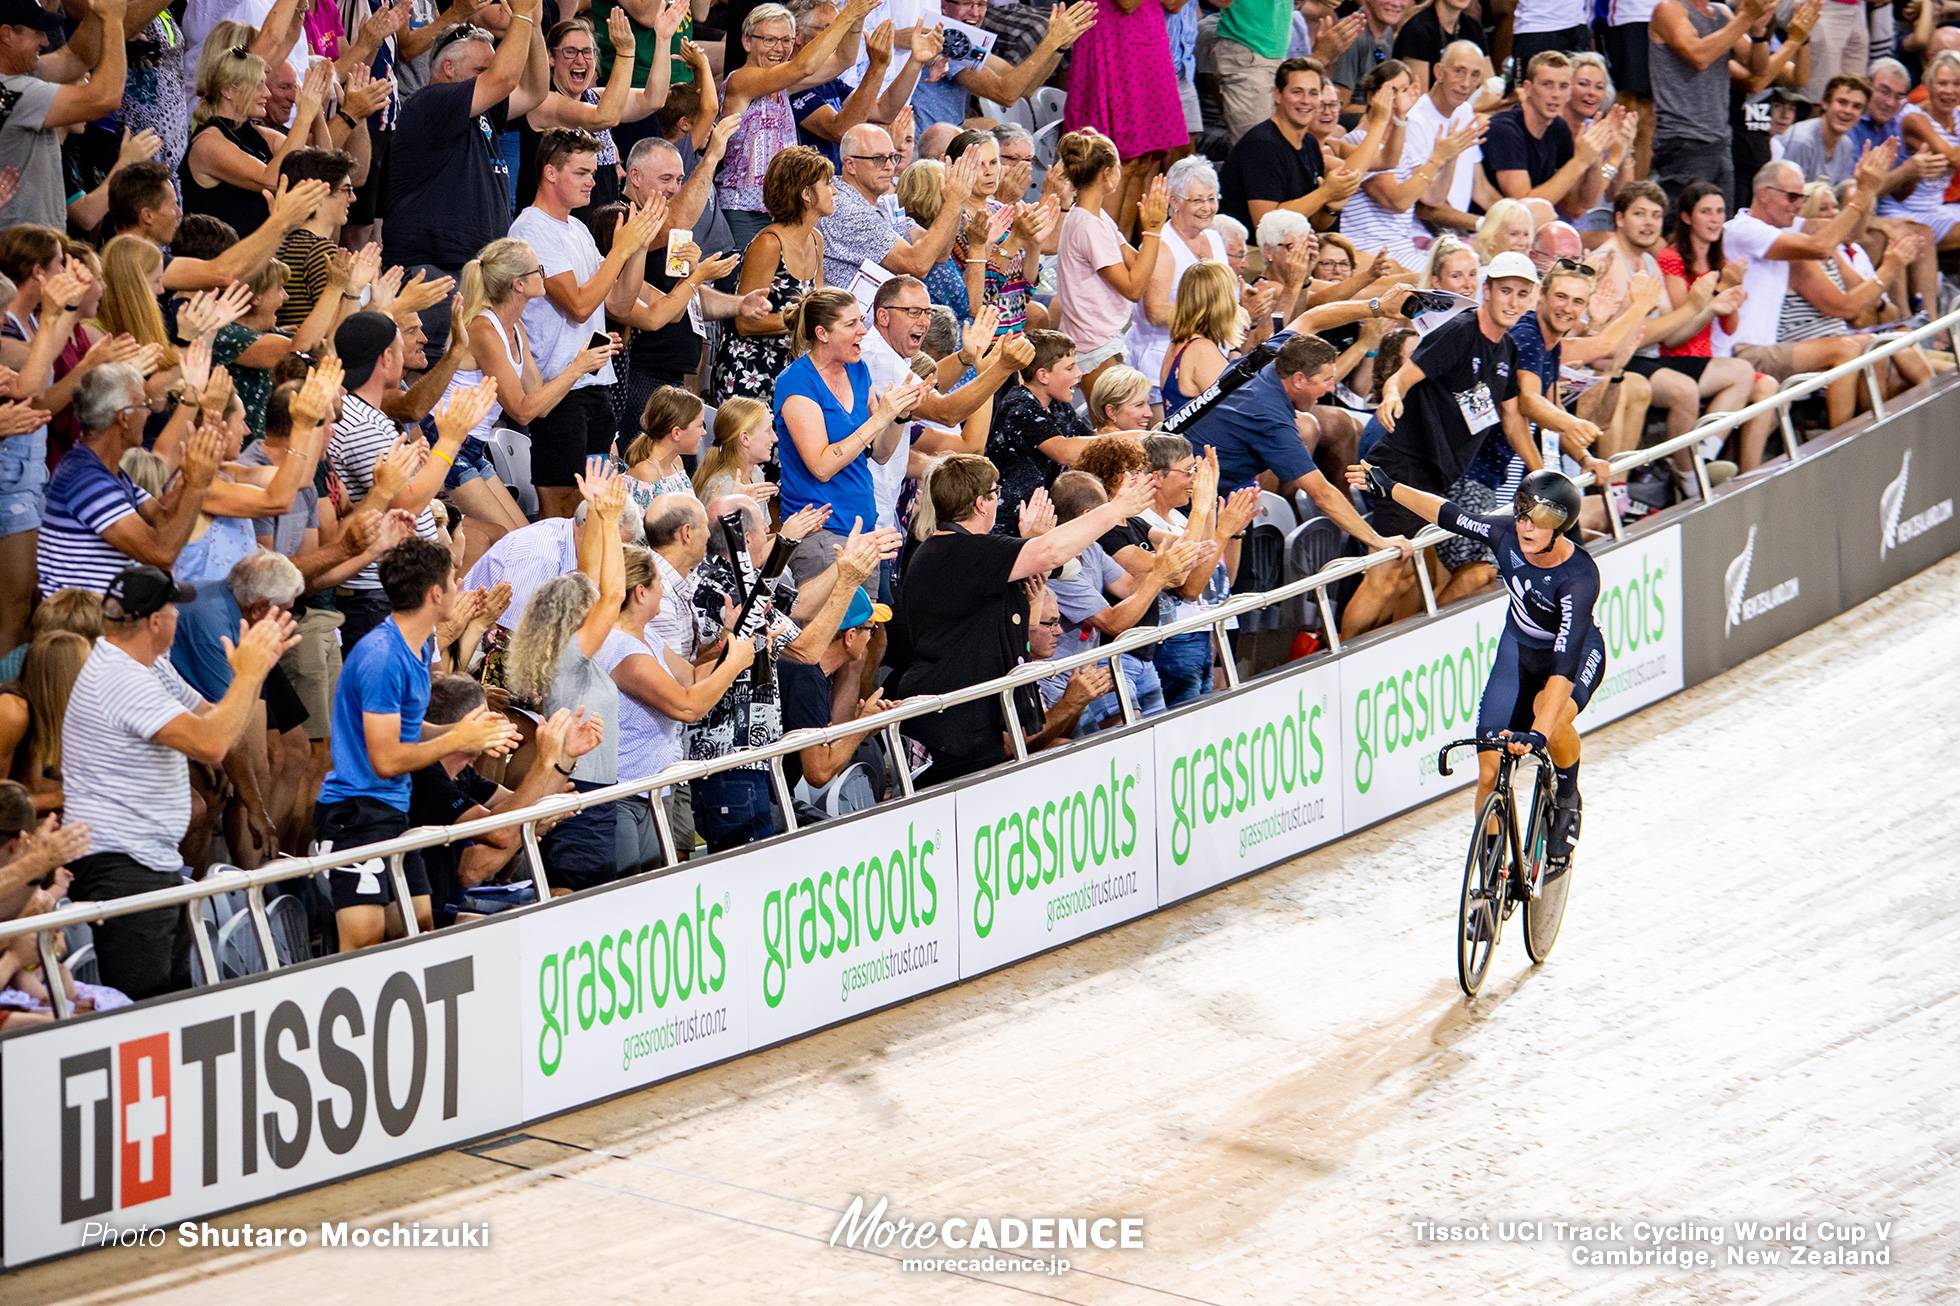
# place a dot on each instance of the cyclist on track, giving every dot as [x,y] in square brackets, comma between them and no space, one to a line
[1551,656]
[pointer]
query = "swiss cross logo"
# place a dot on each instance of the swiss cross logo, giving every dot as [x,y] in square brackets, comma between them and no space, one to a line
[145,1106]
[96,1111]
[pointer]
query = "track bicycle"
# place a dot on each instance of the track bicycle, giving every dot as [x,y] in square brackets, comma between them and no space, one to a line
[1503,870]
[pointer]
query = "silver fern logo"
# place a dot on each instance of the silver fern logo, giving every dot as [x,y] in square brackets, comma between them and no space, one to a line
[1736,581]
[1740,604]
[1890,501]
[1894,528]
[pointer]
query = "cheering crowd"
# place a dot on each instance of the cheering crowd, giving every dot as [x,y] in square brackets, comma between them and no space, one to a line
[411,412]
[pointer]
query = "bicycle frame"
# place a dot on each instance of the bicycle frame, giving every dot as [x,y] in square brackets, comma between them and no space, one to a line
[1507,763]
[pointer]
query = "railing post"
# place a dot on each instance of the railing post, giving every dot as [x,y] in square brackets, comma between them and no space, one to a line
[896,742]
[399,878]
[1878,395]
[1014,731]
[51,970]
[780,783]
[1327,623]
[1125,698]
[1789,431]
[261,926]
[1421,563]
[536,854]
[1701,474]
[1612,509]
[201,940]
[1225,656]
[665,828]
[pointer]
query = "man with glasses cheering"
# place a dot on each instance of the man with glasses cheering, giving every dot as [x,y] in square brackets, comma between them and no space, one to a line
[1766,238]
[858,232]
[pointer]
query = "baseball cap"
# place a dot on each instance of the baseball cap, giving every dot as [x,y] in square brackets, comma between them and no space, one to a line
[1511,264]
[137,592]
[862,612]
[360,342]
[25,13]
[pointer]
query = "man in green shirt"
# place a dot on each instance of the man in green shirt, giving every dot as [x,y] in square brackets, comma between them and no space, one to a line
[1253,37]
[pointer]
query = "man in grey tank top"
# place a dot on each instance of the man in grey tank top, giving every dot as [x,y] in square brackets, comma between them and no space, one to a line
[1688,65]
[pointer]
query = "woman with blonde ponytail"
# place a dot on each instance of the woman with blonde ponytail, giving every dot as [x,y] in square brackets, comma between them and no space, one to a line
[496,285]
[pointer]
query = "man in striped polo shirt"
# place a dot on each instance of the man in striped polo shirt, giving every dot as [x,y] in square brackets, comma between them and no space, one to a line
[97,521]
[130,725]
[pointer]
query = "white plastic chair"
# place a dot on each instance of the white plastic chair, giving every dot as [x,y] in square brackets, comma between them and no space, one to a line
[1276,511]
[1045,142]
[510,454]
[1048,103]
[1017,112]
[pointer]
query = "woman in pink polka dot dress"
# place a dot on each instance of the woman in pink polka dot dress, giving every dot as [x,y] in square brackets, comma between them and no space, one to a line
[1121,82]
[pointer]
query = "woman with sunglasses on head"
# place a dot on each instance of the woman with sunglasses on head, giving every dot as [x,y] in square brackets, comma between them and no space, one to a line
[233,161]
[1551,657]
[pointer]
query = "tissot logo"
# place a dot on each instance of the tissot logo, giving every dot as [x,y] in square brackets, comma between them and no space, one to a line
[1740,605]
[1893,529]
[290,1074]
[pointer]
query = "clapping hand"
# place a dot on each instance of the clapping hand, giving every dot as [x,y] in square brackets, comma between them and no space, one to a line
[462,410]
[261,645]
[805,522]
[1037,516]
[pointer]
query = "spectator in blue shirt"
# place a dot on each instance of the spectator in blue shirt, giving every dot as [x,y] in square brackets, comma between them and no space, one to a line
[1256,430]
[378,708]
[824,443]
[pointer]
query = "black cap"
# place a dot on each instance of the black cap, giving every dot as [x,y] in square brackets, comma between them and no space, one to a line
[360,341]
[139,591]
[25,13]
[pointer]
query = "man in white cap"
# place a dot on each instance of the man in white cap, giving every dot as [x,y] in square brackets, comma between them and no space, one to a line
[1459,387]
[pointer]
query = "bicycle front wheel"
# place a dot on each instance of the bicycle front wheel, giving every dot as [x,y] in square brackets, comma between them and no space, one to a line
[1543,915]
[1486,886]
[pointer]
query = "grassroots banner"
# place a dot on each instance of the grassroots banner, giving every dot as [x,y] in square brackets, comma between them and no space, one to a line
[851,917]
[1402,699]
[237,1095]
[631,985]
[1055,851]
[1247,781]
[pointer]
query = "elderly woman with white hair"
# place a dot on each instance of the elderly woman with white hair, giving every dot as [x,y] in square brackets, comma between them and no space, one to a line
[1188,237]
[553,663]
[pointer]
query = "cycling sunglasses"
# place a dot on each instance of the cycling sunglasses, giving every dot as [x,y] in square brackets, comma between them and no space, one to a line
[1547,516]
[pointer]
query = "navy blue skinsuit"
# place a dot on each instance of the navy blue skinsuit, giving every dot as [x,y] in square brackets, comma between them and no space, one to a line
[1550,631]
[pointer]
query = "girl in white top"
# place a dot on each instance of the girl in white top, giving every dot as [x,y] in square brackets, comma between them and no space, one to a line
[1188,237]
[670,427]
[496,285]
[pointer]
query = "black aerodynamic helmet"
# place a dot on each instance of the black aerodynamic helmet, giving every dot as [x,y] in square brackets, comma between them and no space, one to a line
[1549,499]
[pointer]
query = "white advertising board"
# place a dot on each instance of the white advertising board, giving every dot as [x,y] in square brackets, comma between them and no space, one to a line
[239,1094]
[1248,781]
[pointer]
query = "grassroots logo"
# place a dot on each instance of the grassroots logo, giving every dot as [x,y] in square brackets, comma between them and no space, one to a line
[879,895]
[1414,704]
[1025,849]
[1740,605]
[1893,531]
[665,961]
[1261,762]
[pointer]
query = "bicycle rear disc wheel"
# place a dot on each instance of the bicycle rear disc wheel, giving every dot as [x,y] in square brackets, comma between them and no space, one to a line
[1543,915]
[1485,888]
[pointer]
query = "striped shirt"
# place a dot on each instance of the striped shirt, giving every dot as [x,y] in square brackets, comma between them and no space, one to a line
[134,792]
[527,558]
[85,498]
[362,435]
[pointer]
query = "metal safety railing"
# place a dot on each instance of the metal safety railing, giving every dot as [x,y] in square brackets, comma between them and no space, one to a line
[49,924]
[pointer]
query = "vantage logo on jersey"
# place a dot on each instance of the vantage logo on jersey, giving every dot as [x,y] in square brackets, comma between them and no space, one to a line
[1894,531]
[1740,605]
